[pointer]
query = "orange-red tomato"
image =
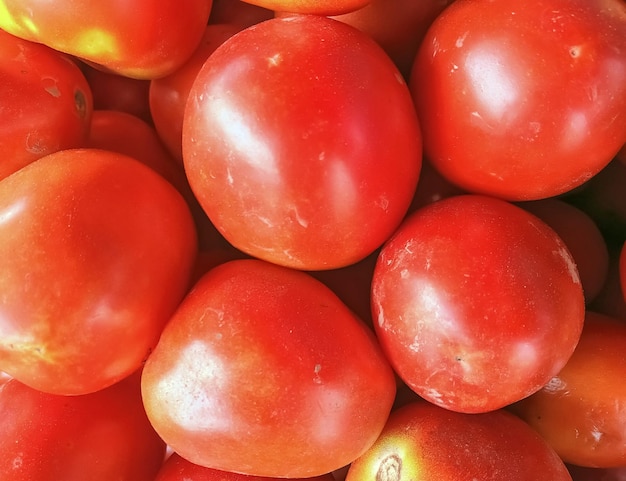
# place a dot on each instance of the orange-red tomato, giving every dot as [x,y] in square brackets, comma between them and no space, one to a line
[96,252]
[138,38]
[46,103]
[580,411]
[262,370]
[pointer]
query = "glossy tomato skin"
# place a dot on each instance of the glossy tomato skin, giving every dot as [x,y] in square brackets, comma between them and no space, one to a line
[100,436]
[313,7]
[424,441]
[179,469]
[141,39]
[46,103]
[96,252]
[303,153]
[498,117]
[476,303]
[264,371]
[580,411]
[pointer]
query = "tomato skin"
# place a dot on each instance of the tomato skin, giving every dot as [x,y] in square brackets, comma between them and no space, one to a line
[179,469]
[476,303]
[101,436]
[141,39]
[46,103]
[264,371]
[580,411]
[306,153]
[97,240]
[424,441]
[497,117]
[311,7]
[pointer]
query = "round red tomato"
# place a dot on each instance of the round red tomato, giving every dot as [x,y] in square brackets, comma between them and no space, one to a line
[102,436]
[264,371]
[96,252]
[523,100]
[425,442]
[301,142]
[476,302]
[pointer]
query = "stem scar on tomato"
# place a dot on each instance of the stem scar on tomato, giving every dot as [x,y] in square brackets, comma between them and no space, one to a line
[390,469]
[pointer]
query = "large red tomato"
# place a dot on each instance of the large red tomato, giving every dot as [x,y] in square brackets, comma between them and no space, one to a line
[264,371]
[137,38]
[46,103]
[301,142]
[476,302]
[523,100]
[102,436]
[96,252]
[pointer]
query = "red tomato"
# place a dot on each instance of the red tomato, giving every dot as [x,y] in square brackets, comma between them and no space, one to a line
[179,469]
[264,371]
[168,95]
[138,38]
[397,25]
[582,237]
[102,436]
[476,302]
[580,411]
[46,103]
[423,441]
[303,153]
[315,7]
[523,101]
[96,252]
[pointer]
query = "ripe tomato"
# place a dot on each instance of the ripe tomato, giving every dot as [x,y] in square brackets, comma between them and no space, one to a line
[424,441]
[96,252]
[523,101]
[580,411]
[315,7]
[139,38]
[46,103]
[102,436]
[264,371]
[179,469]
[303,153]
[476,302]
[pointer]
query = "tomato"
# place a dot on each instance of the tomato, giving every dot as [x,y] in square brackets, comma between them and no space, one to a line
[141,39]
[96,252]
[168,95]
[315,7]
[498,117]
[101,436]
[580,411]
[263,371]
[476,303]
[397,25]
[303,153]
[46,103]
[424,441]
[179,469]
[583,238]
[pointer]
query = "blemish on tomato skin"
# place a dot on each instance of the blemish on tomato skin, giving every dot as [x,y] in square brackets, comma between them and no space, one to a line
[80,103]
[390,469]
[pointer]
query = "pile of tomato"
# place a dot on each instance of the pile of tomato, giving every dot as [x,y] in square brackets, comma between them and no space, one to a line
[361,240]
